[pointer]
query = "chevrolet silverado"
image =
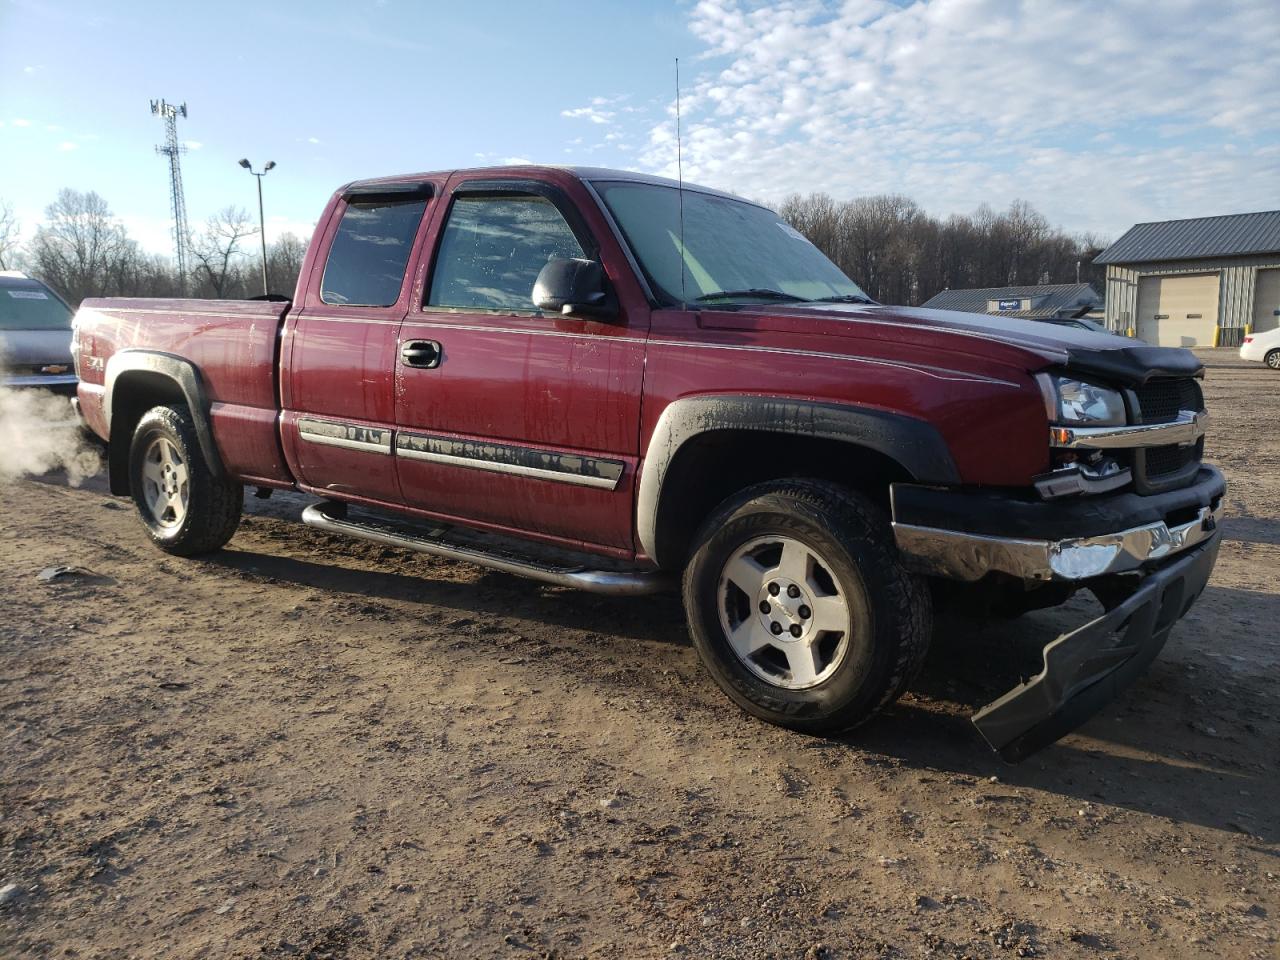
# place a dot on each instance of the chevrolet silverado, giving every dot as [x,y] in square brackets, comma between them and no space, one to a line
[613,382]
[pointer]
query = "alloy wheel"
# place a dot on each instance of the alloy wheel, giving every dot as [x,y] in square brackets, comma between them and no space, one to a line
[166,485]
[783,612]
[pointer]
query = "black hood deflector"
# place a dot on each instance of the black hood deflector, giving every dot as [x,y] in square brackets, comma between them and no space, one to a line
[1134,366]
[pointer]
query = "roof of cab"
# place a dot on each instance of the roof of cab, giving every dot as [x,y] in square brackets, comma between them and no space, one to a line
[586,174]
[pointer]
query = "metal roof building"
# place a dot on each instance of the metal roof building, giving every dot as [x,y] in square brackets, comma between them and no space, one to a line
[1046,302]
[1200,282]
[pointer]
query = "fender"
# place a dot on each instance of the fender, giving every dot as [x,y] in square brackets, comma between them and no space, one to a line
[185,376]
[910,441]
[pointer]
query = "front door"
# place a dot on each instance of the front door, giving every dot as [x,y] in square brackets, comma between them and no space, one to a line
[505,416]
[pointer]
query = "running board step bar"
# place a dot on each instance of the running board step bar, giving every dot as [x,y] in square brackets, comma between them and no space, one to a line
[332,517]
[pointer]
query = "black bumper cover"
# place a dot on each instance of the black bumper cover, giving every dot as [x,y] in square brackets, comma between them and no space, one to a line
[1086,668]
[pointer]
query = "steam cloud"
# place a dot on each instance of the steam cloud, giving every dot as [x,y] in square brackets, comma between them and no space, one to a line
[38,433]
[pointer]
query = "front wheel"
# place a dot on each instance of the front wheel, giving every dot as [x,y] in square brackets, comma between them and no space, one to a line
[184,508]
[800,608]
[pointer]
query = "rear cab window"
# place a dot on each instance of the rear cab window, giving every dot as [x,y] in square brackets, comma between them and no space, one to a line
[370,250]
[30,305]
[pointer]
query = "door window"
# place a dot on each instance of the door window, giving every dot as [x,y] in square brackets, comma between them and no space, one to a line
[369,252]
[493,249]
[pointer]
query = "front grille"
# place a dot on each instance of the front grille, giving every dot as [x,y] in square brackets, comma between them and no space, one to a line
[1160,400]
[1161,462]
[1156,469]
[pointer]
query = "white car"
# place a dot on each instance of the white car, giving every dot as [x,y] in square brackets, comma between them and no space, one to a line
[1263,347]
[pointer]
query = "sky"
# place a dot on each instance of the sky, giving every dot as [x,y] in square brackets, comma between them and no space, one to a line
[1100,113]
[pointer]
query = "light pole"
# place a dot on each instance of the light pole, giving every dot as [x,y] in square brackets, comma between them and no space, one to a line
[262,221]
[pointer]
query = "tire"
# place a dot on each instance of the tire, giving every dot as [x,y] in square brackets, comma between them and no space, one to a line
[1272,359]
[184,508]
[805,673]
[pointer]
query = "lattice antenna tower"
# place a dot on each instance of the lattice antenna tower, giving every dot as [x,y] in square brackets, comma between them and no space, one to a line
[174,150]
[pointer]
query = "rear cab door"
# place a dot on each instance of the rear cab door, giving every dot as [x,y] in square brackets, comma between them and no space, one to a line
[338,389]
[520,421]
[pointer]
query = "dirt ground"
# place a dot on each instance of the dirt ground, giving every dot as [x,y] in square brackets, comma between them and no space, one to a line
[312,747]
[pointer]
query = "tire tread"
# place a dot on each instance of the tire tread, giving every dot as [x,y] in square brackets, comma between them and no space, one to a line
[215,504]
[860,526]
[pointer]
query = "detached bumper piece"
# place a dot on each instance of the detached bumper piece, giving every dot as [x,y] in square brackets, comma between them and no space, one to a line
[1088,667]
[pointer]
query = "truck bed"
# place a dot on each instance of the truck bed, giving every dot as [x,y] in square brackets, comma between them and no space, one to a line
[233,343]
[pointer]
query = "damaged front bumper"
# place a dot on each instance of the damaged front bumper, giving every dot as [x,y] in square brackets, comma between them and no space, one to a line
[1088,667]
[1147,571]
[966,535]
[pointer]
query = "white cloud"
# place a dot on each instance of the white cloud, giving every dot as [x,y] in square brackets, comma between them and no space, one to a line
[958,102]
[19,122]
[313,139]
[192,144]
[594,114]
[598,109]
[515,162]
[66,146]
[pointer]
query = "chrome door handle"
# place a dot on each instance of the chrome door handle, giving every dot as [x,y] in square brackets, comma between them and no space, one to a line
[420,353]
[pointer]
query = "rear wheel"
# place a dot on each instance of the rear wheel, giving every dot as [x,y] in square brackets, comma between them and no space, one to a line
[1272,359]
[184,508]
[800,608]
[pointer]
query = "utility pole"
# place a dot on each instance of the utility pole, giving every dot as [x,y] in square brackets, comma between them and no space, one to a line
[262,220]
[177,202]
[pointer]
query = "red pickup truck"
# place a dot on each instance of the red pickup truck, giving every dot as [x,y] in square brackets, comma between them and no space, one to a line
[608,381]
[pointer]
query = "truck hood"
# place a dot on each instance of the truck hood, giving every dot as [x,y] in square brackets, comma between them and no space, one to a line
[29,348]
[1035,344]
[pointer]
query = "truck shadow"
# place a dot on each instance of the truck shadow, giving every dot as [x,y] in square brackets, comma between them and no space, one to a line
[1194,788]
[1164,748]
[1184,742]
[658,619]
[1251,529]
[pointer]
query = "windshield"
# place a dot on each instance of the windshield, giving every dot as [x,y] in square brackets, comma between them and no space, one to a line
[29,305]
[732,250]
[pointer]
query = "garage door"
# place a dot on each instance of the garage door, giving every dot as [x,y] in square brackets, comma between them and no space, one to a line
[1178,311]
[1266,301]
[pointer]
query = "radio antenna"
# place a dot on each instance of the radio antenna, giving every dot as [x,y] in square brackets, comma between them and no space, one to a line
[680,183]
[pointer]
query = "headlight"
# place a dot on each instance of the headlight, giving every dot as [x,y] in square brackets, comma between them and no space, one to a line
[1075,402]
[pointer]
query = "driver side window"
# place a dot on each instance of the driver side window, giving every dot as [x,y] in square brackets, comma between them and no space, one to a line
[493,249]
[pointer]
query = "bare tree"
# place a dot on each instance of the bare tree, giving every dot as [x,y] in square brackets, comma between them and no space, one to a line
[81,249]
[217,250]
[284,263]
[10,247]
[900,254]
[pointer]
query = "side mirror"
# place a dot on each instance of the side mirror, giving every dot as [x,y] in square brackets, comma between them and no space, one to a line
[573,286]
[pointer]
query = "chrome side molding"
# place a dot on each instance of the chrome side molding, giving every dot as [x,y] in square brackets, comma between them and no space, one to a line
[510,458]
[350,436]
